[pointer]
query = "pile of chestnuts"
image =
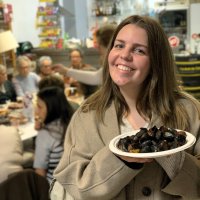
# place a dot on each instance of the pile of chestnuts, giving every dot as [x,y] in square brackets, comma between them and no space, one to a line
[152,140]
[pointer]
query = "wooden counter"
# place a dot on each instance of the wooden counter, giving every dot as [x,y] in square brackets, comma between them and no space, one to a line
[91,55]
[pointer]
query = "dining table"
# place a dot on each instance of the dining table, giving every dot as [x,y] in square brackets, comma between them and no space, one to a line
[13,115]
[27,131]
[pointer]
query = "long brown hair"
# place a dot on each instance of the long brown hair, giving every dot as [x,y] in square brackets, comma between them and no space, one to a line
[160,90]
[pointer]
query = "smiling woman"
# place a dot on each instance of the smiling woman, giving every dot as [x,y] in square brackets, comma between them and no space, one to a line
[139,89]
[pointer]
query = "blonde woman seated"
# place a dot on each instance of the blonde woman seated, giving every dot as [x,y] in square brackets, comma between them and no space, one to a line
[25,81]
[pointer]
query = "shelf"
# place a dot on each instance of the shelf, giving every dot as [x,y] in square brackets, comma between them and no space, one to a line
[103,16]
[5,24]
[189,75]
[111,15]
[174,27]
[105,8]
[48,36]
[175,23]
[197,88]
[43,26]
[48,1]
[188,68]
[47,15]
[48,21]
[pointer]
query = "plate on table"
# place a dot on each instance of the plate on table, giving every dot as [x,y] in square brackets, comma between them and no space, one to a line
[17,118]
[15,105]
[190,140]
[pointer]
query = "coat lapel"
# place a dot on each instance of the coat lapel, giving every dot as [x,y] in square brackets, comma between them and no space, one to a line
[110,127]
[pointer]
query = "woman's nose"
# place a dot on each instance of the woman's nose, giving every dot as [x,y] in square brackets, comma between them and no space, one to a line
[126,55]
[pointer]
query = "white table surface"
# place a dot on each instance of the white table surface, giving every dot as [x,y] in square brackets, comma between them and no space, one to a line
[27,131]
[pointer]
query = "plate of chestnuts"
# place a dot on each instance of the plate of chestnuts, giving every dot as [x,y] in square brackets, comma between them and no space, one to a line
[151,143]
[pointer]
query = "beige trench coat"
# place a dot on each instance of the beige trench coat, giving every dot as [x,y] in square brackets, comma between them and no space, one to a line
[89,170]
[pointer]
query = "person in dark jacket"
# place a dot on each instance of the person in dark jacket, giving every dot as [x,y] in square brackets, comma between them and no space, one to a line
[7,91]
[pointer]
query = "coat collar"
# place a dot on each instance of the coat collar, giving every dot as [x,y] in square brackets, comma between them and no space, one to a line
[112,127]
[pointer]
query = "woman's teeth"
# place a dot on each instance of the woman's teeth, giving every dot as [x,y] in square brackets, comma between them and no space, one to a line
[124,68]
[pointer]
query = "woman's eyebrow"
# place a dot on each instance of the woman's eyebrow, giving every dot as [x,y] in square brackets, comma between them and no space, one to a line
[119,40]
[141,45]
[135,44]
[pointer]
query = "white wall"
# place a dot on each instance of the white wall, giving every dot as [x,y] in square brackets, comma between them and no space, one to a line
[24,20]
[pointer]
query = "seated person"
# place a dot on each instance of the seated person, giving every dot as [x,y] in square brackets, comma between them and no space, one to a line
[11,152]
[55,80]
[44,66]
[7,91]
[53,113]
[25,81]
[76,62]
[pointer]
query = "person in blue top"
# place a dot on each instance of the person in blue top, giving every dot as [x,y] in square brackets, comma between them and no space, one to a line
[25,81]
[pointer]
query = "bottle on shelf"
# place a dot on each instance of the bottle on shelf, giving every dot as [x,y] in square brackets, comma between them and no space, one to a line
[105,8]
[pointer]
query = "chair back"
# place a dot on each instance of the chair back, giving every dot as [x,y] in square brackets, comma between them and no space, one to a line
[25,185]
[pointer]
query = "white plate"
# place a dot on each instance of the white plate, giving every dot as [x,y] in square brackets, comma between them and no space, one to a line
[190,140]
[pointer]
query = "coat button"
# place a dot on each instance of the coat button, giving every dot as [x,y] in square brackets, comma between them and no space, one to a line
[146,191]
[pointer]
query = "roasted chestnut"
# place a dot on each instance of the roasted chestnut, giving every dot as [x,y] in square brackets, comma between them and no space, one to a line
[152,140]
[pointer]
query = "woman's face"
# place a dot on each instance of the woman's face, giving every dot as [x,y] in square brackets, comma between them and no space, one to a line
[128,60]
[24,68]
[46,67]
[76,59]
[41,110]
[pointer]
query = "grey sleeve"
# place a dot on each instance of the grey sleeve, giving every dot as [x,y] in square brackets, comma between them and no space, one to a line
[42,150]
[87,77]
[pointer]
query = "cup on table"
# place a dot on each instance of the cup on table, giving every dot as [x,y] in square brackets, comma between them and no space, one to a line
[71,91]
